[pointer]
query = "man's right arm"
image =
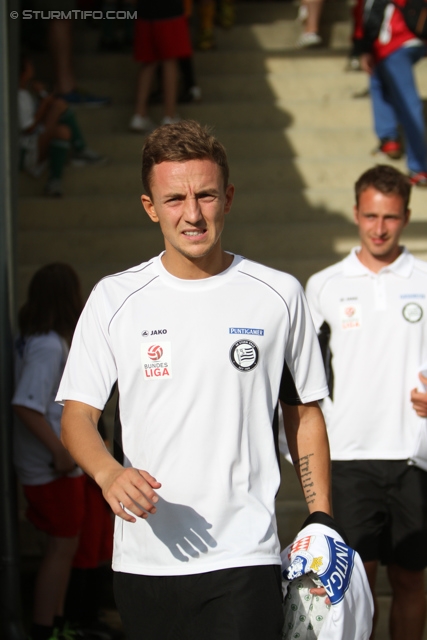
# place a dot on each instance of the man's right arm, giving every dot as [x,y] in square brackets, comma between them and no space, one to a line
[123,488]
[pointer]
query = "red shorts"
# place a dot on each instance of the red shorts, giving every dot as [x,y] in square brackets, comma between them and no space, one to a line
[58,507]
[156,40]
[96,536]
[70,507]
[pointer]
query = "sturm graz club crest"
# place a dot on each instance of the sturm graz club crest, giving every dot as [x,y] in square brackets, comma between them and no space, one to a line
[412,312]
[244,355]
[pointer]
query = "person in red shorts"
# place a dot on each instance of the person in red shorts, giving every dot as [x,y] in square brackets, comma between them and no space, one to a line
[161,36]
[53,485]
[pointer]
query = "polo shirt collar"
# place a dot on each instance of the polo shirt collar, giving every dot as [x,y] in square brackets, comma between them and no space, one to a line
[402,266]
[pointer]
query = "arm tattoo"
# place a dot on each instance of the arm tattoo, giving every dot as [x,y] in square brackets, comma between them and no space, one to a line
[303,467]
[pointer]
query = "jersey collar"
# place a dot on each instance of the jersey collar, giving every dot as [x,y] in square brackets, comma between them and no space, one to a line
[202,284]
[402,266]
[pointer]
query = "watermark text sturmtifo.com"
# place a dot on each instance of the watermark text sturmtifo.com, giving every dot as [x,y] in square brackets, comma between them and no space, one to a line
[77,14]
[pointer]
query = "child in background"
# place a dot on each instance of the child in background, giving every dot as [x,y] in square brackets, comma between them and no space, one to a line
[53,485]
[48,128]
[190,91]
[161,36]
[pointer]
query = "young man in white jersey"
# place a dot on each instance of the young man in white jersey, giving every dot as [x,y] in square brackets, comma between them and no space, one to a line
[370,311]
[203,344]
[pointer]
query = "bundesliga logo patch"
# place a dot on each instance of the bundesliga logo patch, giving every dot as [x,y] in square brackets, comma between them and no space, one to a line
[156,360]
[351,315]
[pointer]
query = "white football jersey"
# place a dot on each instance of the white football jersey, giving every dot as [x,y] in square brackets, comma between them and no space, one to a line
[200,366]
[377,327]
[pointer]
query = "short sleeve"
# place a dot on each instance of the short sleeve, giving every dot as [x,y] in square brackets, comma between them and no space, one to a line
[91,371]
[312,293]
[303,377]
[40,372]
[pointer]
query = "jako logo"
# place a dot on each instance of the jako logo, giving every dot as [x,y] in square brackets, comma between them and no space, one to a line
[155,352]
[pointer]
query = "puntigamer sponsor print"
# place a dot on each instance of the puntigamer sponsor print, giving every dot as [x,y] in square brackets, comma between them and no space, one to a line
[156,360]
[246,331]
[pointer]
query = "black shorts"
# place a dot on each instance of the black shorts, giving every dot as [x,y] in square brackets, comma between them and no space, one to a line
[382,506]
[230,604]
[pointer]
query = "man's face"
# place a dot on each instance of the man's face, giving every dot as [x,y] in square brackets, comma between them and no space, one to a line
[381,219]
[190,202]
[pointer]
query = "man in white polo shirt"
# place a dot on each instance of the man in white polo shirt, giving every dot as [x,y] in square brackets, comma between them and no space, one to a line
[203,344]
[370,311]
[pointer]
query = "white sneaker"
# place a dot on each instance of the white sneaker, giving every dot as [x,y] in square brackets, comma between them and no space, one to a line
[169,120]
[141,124]
[309,39]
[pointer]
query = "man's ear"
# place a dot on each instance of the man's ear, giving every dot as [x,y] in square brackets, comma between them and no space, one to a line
[149,208]
[356,214]
[229,195]
[407,216]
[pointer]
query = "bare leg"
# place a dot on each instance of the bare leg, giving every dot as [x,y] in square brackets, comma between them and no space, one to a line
[314,11]
[371,569]
[408,608]
[61,47]
[52,579]
[170,86]
[145,80]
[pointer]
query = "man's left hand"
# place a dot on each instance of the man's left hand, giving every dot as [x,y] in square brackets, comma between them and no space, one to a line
[320,591]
